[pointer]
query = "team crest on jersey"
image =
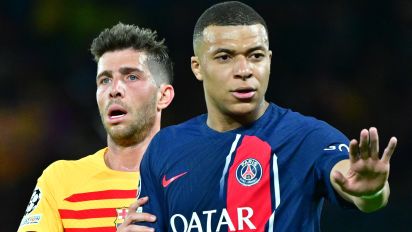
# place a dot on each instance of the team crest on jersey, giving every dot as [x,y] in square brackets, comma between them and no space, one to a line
[34,200]
[249,172]
[121,216]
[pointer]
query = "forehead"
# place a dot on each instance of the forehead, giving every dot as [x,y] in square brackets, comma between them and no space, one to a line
[242,35]
[130,57]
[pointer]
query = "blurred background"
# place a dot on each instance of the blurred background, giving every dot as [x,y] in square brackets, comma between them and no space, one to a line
[345,62]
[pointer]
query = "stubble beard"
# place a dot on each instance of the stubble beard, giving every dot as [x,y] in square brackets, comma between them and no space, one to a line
[138,129]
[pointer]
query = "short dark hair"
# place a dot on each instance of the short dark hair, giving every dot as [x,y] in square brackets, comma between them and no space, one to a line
[123,36]
[231,13]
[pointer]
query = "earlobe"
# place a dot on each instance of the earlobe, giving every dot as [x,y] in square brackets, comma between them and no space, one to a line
[166,95]
[195,65]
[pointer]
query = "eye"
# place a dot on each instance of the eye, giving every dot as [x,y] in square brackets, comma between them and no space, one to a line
[104,80]
[257,56]
[223,58]
[132,77]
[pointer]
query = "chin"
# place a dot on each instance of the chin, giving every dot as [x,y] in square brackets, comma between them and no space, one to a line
[243,109]
[119,131]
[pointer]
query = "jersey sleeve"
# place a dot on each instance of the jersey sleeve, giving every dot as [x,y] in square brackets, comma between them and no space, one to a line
[150,185]
[333,147]
[41,213]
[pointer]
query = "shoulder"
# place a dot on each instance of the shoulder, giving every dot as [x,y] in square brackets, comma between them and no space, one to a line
[72,168]
[172,138]
[288,115]
[186,128]
[291,122]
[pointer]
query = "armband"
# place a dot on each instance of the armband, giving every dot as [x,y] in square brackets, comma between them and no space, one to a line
[372,196]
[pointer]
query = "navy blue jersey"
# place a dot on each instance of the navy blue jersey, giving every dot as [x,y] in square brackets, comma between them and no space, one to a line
[272,175]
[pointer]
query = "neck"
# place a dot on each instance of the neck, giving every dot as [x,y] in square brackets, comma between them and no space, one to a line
[127,158]
[221,122]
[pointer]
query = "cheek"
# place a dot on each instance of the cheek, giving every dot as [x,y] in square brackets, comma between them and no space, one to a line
[99,98]
[216,77]
[264,73]
[142,95]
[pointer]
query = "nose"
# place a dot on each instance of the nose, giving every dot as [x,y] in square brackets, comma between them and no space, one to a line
[242,68]
[117,89]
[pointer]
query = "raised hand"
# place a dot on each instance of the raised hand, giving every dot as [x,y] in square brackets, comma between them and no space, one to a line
[368,172]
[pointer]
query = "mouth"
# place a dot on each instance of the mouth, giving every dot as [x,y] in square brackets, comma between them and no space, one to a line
[245,93]
[116,112]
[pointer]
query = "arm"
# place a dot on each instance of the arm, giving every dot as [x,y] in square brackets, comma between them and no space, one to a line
[363,178]
[41,213]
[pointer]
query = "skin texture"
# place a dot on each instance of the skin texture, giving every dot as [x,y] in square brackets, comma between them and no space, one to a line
[233,62]
[122,72]
[365,172]
[133,216]
[130,104]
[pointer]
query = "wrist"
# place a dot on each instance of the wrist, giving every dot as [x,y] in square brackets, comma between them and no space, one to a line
[374,195]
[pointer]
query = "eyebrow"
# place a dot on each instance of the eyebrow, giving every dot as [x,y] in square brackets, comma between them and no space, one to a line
[259,47]
[230,51]
[224,50]
[104,73]
[123,71]
[127,70]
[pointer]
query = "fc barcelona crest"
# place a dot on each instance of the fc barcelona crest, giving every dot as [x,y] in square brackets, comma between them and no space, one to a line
[249,172]
[121,216]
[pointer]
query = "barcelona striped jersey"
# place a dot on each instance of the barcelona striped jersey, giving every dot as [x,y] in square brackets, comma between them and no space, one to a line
[80,196]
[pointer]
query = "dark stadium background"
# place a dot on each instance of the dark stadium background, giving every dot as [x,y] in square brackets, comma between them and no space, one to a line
[345,62]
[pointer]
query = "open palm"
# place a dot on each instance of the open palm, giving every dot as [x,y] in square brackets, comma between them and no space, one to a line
[368,171]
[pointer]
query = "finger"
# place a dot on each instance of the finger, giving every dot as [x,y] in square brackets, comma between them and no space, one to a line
[374,143]
[142,201]
[364,144]
[135,228]
[353,151]
[133,207]
[132,215]
[340,179]
[139,202]
[140,217]
[388,152]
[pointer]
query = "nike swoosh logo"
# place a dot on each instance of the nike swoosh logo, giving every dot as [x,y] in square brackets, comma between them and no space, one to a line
[165,182]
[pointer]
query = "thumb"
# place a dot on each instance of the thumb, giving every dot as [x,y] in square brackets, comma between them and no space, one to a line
[339,179]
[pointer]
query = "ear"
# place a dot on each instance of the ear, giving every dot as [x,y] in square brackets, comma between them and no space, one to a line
[165,96]
[270,58]
[195,65]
